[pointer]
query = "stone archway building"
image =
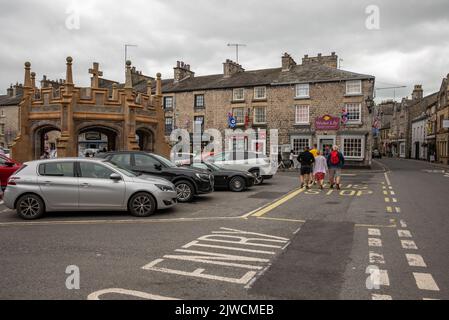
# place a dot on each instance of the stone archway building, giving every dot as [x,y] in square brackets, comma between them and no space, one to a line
[123,113]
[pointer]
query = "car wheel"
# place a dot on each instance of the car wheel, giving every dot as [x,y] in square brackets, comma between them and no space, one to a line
[258,179]
[185,191]
[30,207]
[237,184]
[142,204]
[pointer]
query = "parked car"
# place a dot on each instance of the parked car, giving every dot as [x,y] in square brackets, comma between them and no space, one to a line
[7,168]
[74,184]
[188,181]
[377,154]
[256,163]
[233,180]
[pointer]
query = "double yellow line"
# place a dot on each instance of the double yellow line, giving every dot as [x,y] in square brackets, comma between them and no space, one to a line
[265,209]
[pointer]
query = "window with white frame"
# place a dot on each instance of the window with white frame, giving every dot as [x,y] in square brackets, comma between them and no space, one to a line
[302,115]
[260,93]
[238,94]
[168,125]
[354,111]
[302,90]
[239,115]
[354,87]
[260,115]
[199,101]
[168,102]
[299,143]
[353,147]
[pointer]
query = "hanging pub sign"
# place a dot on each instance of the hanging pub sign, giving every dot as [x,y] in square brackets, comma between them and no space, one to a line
[327,122]
[231,121]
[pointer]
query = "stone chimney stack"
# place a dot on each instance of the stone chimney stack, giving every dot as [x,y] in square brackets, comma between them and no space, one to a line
[182,71]
[329,61]
[287,62]
[230,68]
[417,93]
[10,91]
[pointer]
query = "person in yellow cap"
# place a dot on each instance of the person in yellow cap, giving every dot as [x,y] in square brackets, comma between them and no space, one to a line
[314,151]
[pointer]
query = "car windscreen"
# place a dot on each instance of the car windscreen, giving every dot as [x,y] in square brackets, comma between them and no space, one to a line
[121,169]
[164,161]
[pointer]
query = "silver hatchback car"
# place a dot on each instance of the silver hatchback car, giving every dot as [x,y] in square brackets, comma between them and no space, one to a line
[74,184]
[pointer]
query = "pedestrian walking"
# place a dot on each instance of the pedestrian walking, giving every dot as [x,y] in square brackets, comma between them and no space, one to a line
[292,156]
[335,162]
[306,159]
[320,169]
[45,155]
[314,152]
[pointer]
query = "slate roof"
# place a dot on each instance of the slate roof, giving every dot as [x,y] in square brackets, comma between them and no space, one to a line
[298,74]
[6,100]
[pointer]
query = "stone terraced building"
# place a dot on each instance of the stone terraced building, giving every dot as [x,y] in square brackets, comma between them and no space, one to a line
[306,102]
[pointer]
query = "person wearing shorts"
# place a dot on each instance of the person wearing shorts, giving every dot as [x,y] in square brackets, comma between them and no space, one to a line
[320,169]
[335,162]
[306,159]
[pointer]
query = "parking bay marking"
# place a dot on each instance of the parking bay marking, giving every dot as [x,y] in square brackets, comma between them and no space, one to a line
[238,262]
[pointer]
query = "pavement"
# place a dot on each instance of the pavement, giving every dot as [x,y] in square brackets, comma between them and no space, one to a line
[383,236]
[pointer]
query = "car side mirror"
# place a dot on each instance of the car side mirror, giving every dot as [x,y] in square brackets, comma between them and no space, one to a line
[115,177]
[10,164]
[158,167]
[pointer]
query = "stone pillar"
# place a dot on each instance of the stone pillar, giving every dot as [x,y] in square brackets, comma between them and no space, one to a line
[21,149]
[66,144]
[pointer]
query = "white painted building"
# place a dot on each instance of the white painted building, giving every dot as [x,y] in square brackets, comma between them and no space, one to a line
[419,136]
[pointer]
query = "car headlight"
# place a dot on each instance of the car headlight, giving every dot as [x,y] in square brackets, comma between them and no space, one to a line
[164,187]
[202,176]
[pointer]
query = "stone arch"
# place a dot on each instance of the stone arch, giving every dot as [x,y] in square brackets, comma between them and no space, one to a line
[39,132]
[146,138]
[113,132]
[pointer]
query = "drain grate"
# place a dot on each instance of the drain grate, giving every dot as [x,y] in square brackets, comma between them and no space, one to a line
[267,195]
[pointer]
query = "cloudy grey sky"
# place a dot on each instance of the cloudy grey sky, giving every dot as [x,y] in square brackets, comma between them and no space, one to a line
[411,45]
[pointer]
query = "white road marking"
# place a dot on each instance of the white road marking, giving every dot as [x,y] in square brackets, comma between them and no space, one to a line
[385,193]
[404,234]
[394,200]
[409,244]
[389,209]
[415,260]
[240,240]
[235,231]
[403,224]
[381,297]
[425,281]
[199,273]
[387,179]
[196,243]
[384,280]
[398,209]
[373,232]
[297,230]
[392,193]
[387,200]
[376,258]
[374,242]
[139,294]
